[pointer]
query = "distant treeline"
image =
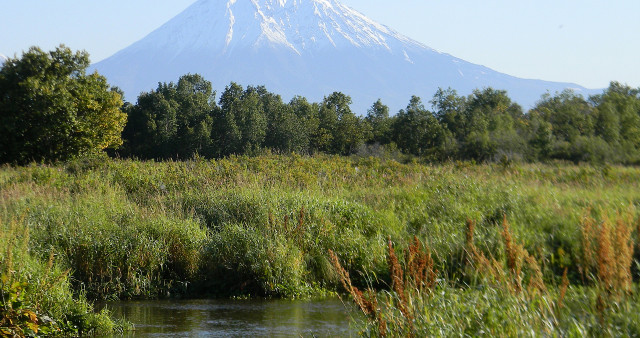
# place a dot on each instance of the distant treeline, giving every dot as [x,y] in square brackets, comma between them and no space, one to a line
[52,110]
[178,121]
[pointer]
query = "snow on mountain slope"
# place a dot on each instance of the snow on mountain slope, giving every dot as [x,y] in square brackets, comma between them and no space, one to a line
[298,25]
[302,47]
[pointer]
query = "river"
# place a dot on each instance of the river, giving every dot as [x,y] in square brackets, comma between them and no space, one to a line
[236,318]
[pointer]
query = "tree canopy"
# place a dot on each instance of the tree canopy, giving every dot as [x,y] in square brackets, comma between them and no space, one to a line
[50,109]
[484,126]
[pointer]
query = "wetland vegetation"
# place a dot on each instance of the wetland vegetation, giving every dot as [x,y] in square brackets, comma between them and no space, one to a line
[103,229]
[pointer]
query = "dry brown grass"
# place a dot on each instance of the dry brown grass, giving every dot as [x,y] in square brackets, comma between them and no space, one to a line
[420,266]
[512,276]
[536,282]
[605,259]
[398,285]
[608,249]
[469,234]
[516,255]
[415,278]
[589,234]
[624,245]
[564,286]
[368,303]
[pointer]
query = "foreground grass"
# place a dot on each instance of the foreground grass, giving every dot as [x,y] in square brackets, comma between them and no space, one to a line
[264,226]
[36,297]
[507,297]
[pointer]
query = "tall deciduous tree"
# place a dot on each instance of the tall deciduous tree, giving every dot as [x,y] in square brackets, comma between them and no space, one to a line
[51,109]
[490,127]
[173,121]
[417,130]
[241,120]
[617,120]
[380,122]
[449,109]
[340,130]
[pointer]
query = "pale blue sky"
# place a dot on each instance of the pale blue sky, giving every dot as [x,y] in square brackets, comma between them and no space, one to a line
[589,42]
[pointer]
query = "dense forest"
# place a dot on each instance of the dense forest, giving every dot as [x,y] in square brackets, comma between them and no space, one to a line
[180,120]
[52,110]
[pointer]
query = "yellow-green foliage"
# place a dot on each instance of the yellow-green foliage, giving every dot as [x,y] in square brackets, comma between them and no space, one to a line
[35,295]
[505,297]
[264,225]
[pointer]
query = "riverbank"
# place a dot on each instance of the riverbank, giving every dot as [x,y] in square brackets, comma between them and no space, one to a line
[263,226]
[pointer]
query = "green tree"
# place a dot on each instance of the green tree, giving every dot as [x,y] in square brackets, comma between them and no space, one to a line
[227,134]
[173,121]
[380,123]
[569,114]
[617,120]
[418,132]
[285,130]
[197,102]
[307,117]
[490,126]
[539,137]
[252,121]
[572,122]
[340,131]
[51,109]
[449,109]
[241,120]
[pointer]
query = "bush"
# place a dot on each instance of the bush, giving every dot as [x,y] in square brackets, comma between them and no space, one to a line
[36,295]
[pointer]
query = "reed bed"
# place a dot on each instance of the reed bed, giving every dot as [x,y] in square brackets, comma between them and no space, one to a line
[508,296]
[263,227]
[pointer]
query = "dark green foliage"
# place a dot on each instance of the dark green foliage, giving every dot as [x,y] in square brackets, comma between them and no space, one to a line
[417,131]
[449,108]
[380,123]
[287,130]
[253,119]
[179,121]
[307,116]
[618,121]
[603,129]
[50,109]
[174,121]
[491,133]
[540,136]
[340,131]
[570,114]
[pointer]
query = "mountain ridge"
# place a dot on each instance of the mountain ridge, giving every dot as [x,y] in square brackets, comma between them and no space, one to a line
[302,47]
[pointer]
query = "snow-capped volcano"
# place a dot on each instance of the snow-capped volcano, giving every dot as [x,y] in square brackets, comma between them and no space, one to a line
[297,25]
[3,59]
[301,47]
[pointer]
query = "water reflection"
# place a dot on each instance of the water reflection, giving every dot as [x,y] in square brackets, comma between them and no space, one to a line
[198,318]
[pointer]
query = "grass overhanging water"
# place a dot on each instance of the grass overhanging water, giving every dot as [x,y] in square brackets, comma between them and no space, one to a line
[100,229]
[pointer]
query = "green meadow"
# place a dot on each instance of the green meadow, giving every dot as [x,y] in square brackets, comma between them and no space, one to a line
[449,249]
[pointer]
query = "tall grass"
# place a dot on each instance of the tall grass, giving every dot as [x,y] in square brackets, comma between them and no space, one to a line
[509,296]
[36,297]
[263,226]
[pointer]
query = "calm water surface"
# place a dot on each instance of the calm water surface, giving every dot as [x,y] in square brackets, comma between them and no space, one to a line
[236,318]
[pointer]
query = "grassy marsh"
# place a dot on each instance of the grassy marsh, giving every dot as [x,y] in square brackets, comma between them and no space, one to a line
[263,226]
